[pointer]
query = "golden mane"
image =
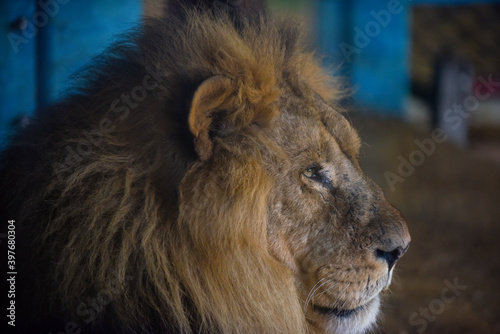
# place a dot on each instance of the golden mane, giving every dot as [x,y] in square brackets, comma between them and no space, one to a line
[172,243]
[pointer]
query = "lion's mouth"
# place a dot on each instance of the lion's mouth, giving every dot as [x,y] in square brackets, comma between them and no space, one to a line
[340,313]
[370,306]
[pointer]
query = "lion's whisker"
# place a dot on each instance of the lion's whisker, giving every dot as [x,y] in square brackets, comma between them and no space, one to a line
[313,291]
[328,290]
[342,307]
[344,292]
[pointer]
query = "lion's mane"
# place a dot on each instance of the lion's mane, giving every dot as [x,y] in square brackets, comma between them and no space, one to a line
[123,228]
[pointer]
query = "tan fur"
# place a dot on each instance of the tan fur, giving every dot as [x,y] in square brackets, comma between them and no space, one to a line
[195,206]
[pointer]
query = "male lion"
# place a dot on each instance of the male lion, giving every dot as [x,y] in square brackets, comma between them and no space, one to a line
[201,181]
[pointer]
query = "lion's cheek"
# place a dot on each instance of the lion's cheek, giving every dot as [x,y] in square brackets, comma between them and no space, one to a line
[278,248]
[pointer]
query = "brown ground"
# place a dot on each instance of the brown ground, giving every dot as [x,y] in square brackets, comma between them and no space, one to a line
[452,206]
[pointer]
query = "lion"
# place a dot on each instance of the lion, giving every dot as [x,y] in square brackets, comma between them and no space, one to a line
[201,179]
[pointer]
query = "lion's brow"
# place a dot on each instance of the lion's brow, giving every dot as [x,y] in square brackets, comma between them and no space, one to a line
[299,153]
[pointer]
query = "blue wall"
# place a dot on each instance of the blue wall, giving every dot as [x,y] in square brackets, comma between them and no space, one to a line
[51,40]
[370,39]
[380,71]
[17,64]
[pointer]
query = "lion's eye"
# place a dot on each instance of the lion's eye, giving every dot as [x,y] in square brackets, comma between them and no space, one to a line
[313,173]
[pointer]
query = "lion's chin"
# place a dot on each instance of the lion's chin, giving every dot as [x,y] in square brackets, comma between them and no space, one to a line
[354,321]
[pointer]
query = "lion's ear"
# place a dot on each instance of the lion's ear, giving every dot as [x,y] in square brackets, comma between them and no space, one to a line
[212,95]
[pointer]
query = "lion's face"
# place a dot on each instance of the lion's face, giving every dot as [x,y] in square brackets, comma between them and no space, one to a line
[327,222]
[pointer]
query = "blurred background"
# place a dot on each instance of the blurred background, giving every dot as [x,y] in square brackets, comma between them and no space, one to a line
[425,76]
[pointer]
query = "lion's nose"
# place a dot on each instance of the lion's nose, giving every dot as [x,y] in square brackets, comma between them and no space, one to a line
[391,256]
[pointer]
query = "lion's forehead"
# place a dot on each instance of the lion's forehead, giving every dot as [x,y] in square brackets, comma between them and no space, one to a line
[306,125]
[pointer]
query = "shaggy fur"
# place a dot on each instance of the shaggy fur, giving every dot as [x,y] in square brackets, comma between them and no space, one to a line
[151,200]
